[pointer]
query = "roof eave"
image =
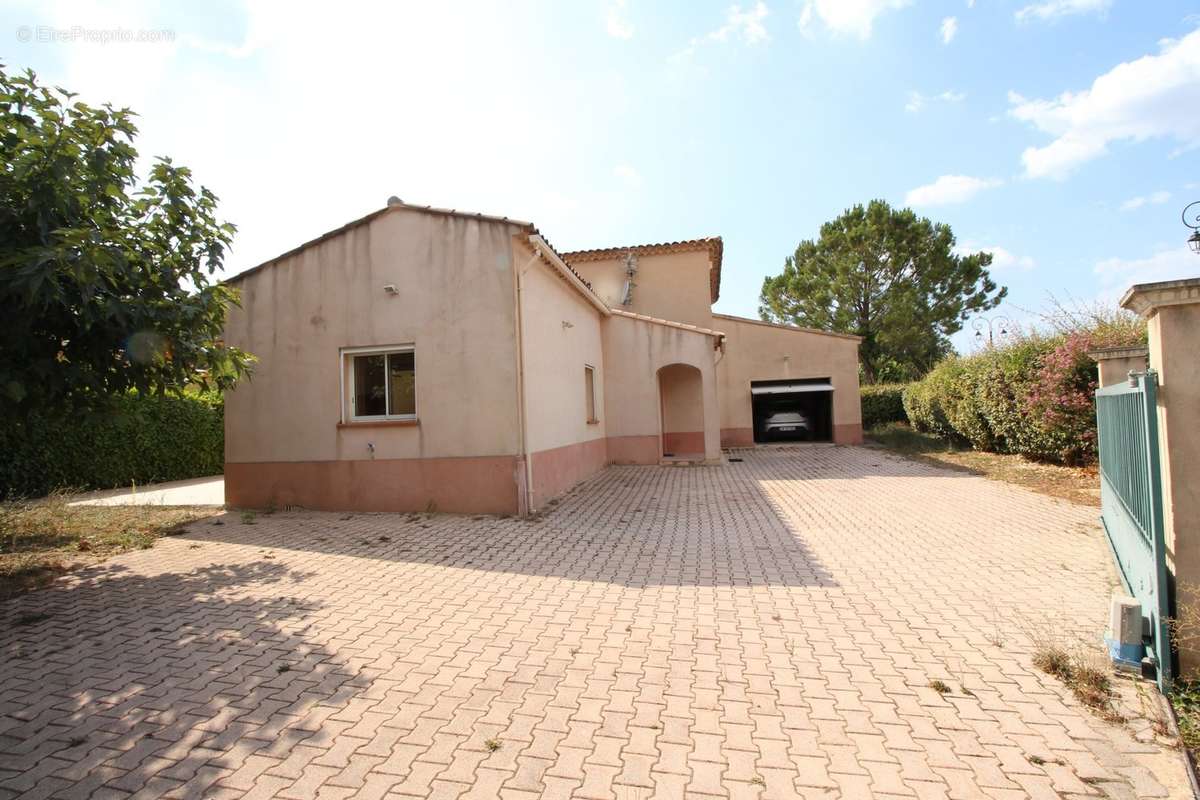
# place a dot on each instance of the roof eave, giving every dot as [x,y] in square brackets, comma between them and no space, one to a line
[713,244]
[363,220]
[564,270]
[793,328]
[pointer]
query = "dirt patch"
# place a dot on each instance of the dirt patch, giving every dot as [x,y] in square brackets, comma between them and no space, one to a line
[43,539]
[1077,484]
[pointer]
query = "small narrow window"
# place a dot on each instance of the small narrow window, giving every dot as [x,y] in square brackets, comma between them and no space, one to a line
[384,385]
[589,392]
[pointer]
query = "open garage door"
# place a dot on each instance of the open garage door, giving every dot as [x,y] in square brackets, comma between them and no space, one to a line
[792,410]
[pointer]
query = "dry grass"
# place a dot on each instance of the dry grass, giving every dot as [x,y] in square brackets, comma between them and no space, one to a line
[1083,671]
[41,540]
[1076,484]
[1185,697]
[1185,693]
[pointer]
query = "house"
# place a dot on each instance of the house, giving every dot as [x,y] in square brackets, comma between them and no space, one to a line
[422,358]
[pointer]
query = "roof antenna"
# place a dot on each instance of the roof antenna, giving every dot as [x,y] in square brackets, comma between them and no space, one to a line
[630,271]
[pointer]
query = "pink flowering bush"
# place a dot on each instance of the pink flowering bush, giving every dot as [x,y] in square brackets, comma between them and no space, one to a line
[1061,399]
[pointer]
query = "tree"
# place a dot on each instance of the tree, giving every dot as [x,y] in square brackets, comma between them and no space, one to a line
[887,276]
[105,286]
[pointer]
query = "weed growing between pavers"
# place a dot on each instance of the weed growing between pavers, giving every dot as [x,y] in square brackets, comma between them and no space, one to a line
[1079,671]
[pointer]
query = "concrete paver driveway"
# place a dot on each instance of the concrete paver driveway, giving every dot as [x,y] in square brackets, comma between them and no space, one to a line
[768,628]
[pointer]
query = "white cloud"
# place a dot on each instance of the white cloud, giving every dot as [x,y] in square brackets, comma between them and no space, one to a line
[744,25]
[949,190]
[423,145]
[628,174]
[1118,274]
[617,20]
[918,101]
[1153,97]
[970,3]
[1003,260]
[1054,9]
[949,29]
[846,17]
[1156,199]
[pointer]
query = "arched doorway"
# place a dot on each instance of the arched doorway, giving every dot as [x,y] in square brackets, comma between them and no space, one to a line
[681,395]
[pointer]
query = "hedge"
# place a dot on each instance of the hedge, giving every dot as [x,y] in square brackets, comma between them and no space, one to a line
[1034,397]
[882,403]
[135,439]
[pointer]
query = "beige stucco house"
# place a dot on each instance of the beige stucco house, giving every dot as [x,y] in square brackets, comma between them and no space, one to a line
[422,358]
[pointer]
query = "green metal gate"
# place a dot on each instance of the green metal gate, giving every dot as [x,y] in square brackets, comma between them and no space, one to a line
[1131,503]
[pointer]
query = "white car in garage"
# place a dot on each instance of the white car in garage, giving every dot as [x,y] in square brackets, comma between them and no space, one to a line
[787,424]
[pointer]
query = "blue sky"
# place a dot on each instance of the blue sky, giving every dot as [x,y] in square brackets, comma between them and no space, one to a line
[1060,134]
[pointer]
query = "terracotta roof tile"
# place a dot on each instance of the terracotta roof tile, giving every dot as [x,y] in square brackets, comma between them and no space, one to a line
[669,323]
[562,257]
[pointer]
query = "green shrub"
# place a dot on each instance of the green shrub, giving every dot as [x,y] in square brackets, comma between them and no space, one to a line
[882,403]
[963,404]
[925,401]
[1003,393]
[1034,396]
[916,406]
[134,439]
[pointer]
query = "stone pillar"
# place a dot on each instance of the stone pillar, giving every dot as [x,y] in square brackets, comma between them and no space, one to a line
[1115,363]
[1172,311]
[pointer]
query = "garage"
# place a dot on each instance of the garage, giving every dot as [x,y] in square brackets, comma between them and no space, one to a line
[792,410]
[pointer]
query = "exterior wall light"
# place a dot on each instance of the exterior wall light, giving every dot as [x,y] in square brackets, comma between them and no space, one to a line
[1193,240]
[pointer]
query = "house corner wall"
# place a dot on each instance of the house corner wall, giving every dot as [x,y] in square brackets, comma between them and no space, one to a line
[285,441]
[560,337]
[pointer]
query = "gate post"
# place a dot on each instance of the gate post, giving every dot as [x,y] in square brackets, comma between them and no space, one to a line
[1115,363]
[1172,310]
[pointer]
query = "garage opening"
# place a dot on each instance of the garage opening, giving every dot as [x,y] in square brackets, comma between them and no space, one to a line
[792,410]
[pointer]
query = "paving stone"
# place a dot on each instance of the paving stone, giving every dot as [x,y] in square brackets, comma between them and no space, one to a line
[767,628]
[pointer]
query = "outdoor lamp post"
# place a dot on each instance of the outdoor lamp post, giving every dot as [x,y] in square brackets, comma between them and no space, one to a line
[995,326]
[1194,239]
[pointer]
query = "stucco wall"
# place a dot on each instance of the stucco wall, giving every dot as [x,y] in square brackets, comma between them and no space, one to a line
[671,286]
[636,351]
[1116,370]
[681,388]
[1173,333]
[455,305]
[561,336]
[756,351]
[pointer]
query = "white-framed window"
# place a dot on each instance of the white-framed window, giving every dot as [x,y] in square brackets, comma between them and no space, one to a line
[382,383]
[589,392]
